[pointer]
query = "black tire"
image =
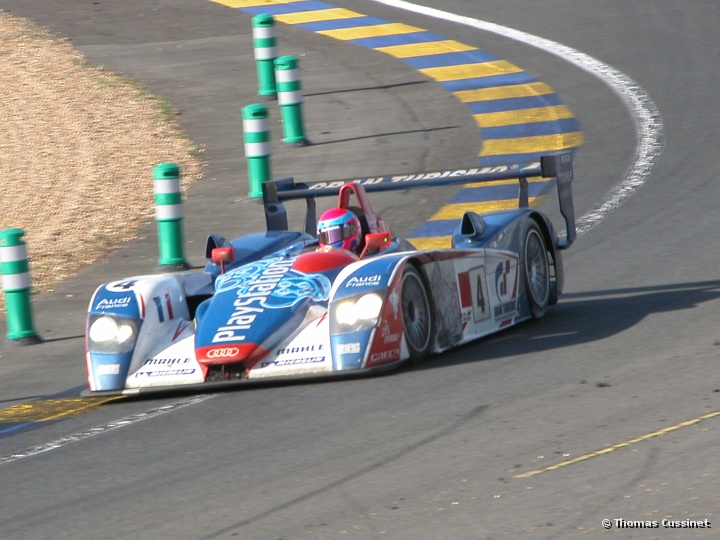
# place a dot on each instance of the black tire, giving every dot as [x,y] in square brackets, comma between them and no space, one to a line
[537,271]
[417,314]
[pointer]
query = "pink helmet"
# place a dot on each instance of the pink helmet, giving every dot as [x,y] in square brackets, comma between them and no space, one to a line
[339,228]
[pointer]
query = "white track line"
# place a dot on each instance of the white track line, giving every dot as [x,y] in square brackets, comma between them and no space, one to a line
[642,109]
[117,424]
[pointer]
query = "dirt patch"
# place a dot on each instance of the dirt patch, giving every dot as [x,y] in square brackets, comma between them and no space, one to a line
[77,149]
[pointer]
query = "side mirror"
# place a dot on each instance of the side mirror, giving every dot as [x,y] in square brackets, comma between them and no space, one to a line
[222,256]
[379,241]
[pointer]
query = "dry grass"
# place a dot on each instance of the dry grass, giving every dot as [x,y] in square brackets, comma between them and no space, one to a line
[77,149]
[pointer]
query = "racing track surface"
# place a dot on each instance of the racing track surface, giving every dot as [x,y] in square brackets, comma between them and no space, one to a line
[606,409]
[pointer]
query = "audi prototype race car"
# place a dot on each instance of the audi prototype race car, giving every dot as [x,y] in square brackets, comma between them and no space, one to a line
[271,304]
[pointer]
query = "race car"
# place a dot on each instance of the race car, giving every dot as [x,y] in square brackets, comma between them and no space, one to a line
[271,304]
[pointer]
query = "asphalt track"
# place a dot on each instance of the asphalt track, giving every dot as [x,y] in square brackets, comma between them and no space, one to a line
[606,409]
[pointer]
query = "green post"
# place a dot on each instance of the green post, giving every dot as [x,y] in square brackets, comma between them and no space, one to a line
[290,98]
[15,271]
[256,129]
[263,31]
[169,216]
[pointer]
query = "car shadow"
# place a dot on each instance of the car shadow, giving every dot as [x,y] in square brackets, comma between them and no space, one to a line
[581,318]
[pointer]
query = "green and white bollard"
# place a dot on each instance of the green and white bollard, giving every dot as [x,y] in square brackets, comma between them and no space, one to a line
[169,216]
[263,31]
[15,271]
[290,98]
[256,130]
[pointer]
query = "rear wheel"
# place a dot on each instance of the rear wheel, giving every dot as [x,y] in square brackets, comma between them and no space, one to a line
[537,271]
[416,314]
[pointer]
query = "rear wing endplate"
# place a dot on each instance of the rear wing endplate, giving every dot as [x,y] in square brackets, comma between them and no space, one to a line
[558,166]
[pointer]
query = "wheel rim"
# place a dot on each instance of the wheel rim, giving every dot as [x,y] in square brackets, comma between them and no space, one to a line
[416,313]
[537,269]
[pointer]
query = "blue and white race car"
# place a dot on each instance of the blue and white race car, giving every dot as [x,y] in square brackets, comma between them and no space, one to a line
[271,304]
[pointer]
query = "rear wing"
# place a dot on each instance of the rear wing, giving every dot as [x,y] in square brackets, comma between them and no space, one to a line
[557,166]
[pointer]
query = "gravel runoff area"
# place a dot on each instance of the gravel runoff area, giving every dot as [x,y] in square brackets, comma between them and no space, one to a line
[77,149]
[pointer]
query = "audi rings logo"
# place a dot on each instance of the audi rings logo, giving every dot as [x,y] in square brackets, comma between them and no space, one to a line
[223,352]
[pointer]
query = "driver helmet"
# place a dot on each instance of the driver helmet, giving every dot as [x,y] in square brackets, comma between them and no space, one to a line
[339,228]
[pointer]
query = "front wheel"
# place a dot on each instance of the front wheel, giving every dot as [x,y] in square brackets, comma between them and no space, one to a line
[537,271]
[416,314]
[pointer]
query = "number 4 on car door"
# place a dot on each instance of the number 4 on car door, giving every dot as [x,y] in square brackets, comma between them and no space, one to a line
[478,284]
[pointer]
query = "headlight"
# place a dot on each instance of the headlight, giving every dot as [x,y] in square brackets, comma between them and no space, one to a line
[345,313]
[111,334]
[357,313]
[368,307]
